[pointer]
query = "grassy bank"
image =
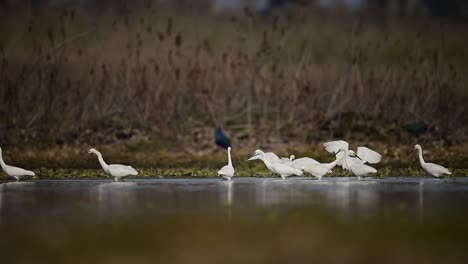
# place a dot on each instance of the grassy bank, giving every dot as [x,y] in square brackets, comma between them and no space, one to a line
[158,161]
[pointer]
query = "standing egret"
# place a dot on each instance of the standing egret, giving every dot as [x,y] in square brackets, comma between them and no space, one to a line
[279,168]
[115,170]
[14,172]
[431,168]
[363,155]
[320,169]
[221,139]
[227,172]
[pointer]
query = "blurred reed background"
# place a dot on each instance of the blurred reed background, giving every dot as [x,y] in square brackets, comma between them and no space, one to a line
[107,72]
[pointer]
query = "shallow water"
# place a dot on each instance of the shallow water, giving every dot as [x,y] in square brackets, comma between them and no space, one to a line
[196,210]
[347,197]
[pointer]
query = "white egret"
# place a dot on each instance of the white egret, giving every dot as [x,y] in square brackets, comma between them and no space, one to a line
[320,169]
[227,172]
[279,168]
[351,161]
[363,155]
[14,172]
[269,156]
[431,168]
[115,170]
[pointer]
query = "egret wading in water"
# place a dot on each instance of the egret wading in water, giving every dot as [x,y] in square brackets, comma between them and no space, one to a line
[115,170]
[227,172]
[431,168]
[279,168]
[320,169]
[363,154]
[14,172]
[352,161]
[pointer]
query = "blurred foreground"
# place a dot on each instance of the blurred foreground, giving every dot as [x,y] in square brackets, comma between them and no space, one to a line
[248,220]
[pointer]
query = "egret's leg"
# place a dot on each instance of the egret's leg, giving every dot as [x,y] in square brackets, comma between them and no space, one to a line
[16,177]
[116,179]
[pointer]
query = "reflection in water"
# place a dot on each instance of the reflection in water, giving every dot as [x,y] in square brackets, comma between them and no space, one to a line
[352,197]
[1,202]
[114,198]
[225,197]
[421,200]
[47,201]
[225,188]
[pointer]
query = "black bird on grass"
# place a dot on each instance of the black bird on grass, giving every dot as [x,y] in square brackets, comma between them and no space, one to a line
[221,139]
[416,128]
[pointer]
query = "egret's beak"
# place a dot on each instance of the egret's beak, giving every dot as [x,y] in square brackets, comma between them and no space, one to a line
[356,156]
[411,151]
[89,152]
[254,157]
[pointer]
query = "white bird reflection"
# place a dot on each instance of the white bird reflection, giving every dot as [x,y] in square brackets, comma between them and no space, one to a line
[226,192]
[114,198]
[421,200]
[225,197]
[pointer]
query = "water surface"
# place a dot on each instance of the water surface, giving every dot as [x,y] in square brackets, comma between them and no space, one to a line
[263,219]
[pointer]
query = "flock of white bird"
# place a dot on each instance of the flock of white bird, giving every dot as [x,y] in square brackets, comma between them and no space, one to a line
[355,162]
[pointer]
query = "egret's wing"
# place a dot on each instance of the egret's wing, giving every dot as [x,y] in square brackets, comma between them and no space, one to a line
[436,169]
[335,146]
[122,170]
[226,171]
[368,155]
[360,169]
[15,171]
[272,157]
[223,170]
[303,162]
[284,169]
[339,156]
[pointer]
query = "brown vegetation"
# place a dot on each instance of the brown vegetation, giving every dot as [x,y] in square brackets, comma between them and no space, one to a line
[70,77]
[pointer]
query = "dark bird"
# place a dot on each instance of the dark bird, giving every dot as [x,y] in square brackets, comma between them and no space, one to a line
[221,139]
[416,128]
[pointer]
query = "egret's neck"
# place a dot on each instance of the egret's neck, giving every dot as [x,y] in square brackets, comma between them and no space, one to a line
[101,160]
[267,163]
[421,159]
[333,164]
[229,158]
